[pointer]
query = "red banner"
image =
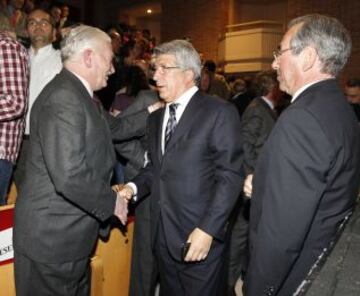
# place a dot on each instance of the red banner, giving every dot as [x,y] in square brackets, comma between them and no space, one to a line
[6,230]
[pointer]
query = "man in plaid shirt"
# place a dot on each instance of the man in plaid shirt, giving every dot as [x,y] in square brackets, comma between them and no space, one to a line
[14,77]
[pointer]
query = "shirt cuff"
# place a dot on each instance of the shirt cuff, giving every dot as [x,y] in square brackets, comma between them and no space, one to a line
[134,188]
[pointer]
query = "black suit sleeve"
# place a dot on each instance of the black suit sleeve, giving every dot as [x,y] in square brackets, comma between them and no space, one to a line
[133,149]
[225,143]
[128,127]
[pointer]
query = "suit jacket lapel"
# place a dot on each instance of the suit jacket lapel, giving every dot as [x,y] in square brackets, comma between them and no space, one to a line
[89,103]
[271,111]
[158,128]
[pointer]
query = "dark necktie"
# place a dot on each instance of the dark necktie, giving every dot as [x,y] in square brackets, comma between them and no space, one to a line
[171,124]
[97,103]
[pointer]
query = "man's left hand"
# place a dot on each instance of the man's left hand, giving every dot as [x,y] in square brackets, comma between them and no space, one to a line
[200,245]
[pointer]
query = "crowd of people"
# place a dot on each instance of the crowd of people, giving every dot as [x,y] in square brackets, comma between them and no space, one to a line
[232,180]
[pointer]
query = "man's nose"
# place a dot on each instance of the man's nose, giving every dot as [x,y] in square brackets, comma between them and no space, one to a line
[275,64]
[112,69]
[156,75]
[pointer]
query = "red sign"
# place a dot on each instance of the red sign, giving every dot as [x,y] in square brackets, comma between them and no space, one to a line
[6,230]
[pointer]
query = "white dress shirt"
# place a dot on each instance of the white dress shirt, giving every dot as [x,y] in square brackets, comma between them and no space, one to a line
[85,83]
[44,65]
[267,101]
[303,88]
[182,102]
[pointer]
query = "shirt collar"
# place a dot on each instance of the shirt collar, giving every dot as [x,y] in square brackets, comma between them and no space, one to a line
[41,50]
[184,99]
[302,89]
[267,101]
[85,83]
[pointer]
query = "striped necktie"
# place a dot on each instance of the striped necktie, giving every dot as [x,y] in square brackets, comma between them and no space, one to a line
[171,124]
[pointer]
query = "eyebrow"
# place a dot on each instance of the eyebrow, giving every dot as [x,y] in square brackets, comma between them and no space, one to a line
[41,19]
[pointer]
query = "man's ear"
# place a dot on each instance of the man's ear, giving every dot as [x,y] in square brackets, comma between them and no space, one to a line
[189,75]
[53,35]
[88,57]
[309,58]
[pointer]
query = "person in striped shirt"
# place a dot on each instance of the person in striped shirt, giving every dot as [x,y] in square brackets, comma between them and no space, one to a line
[14,79]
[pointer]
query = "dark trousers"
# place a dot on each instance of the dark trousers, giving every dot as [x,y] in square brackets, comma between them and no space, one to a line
[144,271]
[60,279]
[6,168]
[239,253]
[188,279]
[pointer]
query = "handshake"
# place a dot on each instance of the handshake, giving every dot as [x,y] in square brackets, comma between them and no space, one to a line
[124,194]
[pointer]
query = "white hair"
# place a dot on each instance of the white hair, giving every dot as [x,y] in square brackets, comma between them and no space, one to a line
[80,38]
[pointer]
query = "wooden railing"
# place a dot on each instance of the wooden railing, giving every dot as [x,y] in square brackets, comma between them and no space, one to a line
[110,264]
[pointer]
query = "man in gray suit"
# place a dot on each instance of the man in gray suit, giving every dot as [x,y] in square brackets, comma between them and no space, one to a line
[66,195]
[307,177]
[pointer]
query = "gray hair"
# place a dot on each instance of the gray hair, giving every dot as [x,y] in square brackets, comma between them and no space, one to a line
[327,35]
[80,38]
[239,85]
[187,58]
[264,81]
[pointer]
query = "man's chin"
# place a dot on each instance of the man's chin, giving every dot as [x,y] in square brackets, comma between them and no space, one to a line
[100,87]
[162,95]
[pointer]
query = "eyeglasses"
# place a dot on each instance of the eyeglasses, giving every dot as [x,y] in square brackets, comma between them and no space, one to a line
[277,53]
[42,23]
[162,69]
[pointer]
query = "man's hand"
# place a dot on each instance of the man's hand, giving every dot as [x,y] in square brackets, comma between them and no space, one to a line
[155,106]
[126,192]
[121,208]
[248,186]
[200,245]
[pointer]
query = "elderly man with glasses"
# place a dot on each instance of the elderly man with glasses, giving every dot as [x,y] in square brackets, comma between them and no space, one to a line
[194,176]
[307,176]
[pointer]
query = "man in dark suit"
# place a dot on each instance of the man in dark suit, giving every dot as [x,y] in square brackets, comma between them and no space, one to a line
[256,124]
[352,93]
[194,175]
[307,176]
[259,117]
[144,274]
[66,195]
[243,95]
